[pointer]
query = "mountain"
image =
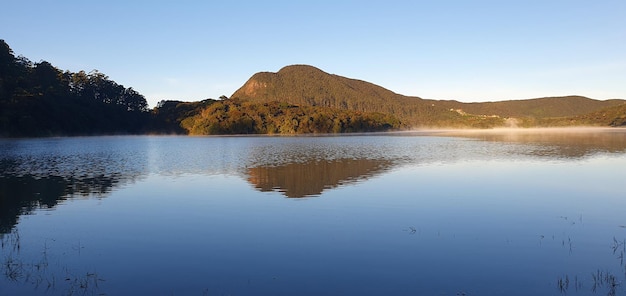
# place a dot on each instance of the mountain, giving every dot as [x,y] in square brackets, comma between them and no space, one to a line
[302,84]
[310,86]
[307,85]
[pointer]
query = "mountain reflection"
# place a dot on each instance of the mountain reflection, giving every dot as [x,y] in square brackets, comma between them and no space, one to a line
[41,173]
[312,177]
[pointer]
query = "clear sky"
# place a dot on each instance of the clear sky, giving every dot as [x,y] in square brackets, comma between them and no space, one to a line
[470,51]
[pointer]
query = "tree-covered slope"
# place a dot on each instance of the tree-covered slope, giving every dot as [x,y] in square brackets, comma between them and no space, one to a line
[233,116]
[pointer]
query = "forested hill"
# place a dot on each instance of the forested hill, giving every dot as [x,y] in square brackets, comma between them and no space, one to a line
[38,99]
[307,85]
[304,85]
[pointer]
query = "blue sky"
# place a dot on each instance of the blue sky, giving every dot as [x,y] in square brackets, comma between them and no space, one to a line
[464,50]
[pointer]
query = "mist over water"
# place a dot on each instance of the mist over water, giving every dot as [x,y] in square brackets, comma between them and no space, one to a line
[530,212]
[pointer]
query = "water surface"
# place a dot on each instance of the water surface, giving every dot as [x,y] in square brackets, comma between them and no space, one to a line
[423,213]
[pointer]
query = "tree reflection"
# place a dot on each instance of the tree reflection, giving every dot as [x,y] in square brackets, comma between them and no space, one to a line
[311,177]
[21,195]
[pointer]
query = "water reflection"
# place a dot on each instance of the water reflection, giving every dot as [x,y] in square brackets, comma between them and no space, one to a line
[20,195]
[312,177]
[475,214]
[39,173]
[557,142]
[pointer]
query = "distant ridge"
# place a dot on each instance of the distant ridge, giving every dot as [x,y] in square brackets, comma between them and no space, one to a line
[307,85]
[541,107]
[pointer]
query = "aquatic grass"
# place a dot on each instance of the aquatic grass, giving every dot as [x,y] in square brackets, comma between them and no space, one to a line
[39,274]
[11,240]
[83,283]
[563,284]
[411,230]
[569,244]
[13,269]
[605,279]
[600,280]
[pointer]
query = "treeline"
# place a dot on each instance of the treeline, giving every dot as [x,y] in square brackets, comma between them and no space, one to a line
[38,99]
[233,116]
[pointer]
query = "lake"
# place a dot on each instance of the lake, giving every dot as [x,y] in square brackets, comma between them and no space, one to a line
[533,212]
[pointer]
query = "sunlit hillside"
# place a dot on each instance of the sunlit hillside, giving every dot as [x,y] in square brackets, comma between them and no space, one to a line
[307,85]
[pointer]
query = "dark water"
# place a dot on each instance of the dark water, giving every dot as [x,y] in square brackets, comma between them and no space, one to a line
[425,213]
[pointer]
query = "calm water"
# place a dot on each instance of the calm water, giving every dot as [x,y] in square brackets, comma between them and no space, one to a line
[472,213]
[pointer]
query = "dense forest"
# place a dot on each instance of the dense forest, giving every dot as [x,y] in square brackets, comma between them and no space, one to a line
[38,99]
[232,116]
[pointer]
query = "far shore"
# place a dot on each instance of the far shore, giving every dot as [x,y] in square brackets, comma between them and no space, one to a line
[498,130]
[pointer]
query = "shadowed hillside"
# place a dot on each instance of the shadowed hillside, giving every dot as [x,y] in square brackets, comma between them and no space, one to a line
[38,99]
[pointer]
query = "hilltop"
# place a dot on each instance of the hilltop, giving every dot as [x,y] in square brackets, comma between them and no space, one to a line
[302,84]
[310,86]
